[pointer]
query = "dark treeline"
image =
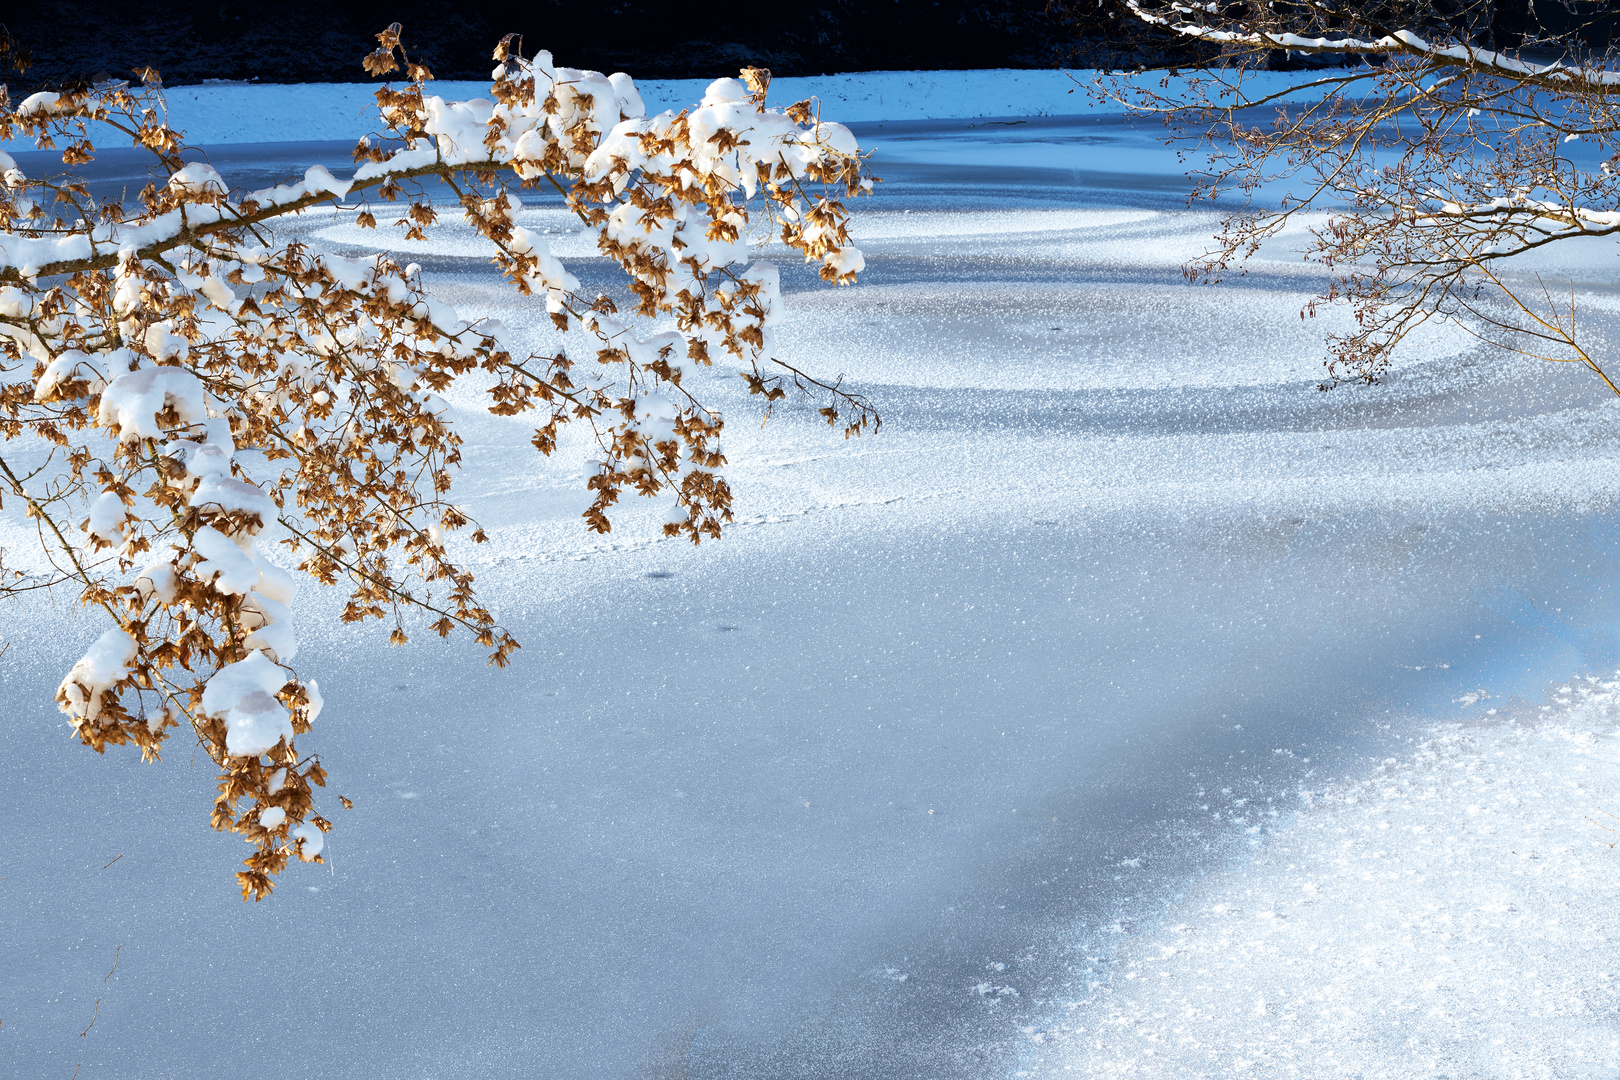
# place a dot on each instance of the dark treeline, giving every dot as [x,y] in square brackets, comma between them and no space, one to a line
[322,40]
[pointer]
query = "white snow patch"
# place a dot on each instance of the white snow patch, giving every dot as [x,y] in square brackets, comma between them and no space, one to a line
[1452,914]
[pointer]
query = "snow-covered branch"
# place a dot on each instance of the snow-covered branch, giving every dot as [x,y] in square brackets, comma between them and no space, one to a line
[1438,151]
[204,385]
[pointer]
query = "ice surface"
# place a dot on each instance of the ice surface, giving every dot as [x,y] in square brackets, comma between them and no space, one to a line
[881,783]
[233,113]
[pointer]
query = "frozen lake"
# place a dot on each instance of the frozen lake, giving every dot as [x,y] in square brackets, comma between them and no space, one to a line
[875,786]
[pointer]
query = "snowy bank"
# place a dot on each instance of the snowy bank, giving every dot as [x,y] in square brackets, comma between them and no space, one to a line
[1452,914]
[215,114]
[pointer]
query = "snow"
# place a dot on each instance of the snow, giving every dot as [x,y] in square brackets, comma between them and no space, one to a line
[1451,912]
[130,404]
[222,563]
[314,702]
[201,459]
[70,365]
[106,663]
[107,516]
[913,770]
[198,177]
[233,496]
[36,104]
[241,694]
[160,577]
[271,623]
[310,841]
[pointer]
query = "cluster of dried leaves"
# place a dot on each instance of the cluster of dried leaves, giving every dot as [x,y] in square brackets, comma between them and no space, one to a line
[176,382]
[1441,140]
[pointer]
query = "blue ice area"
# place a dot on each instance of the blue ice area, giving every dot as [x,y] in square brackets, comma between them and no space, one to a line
[850,792]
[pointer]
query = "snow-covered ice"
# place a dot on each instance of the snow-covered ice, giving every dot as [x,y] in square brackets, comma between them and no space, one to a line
[1450,912]
[1080,661]
[220,113]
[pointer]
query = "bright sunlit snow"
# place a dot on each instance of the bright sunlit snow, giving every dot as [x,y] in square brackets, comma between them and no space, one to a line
[1125,707]
[1450,912]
